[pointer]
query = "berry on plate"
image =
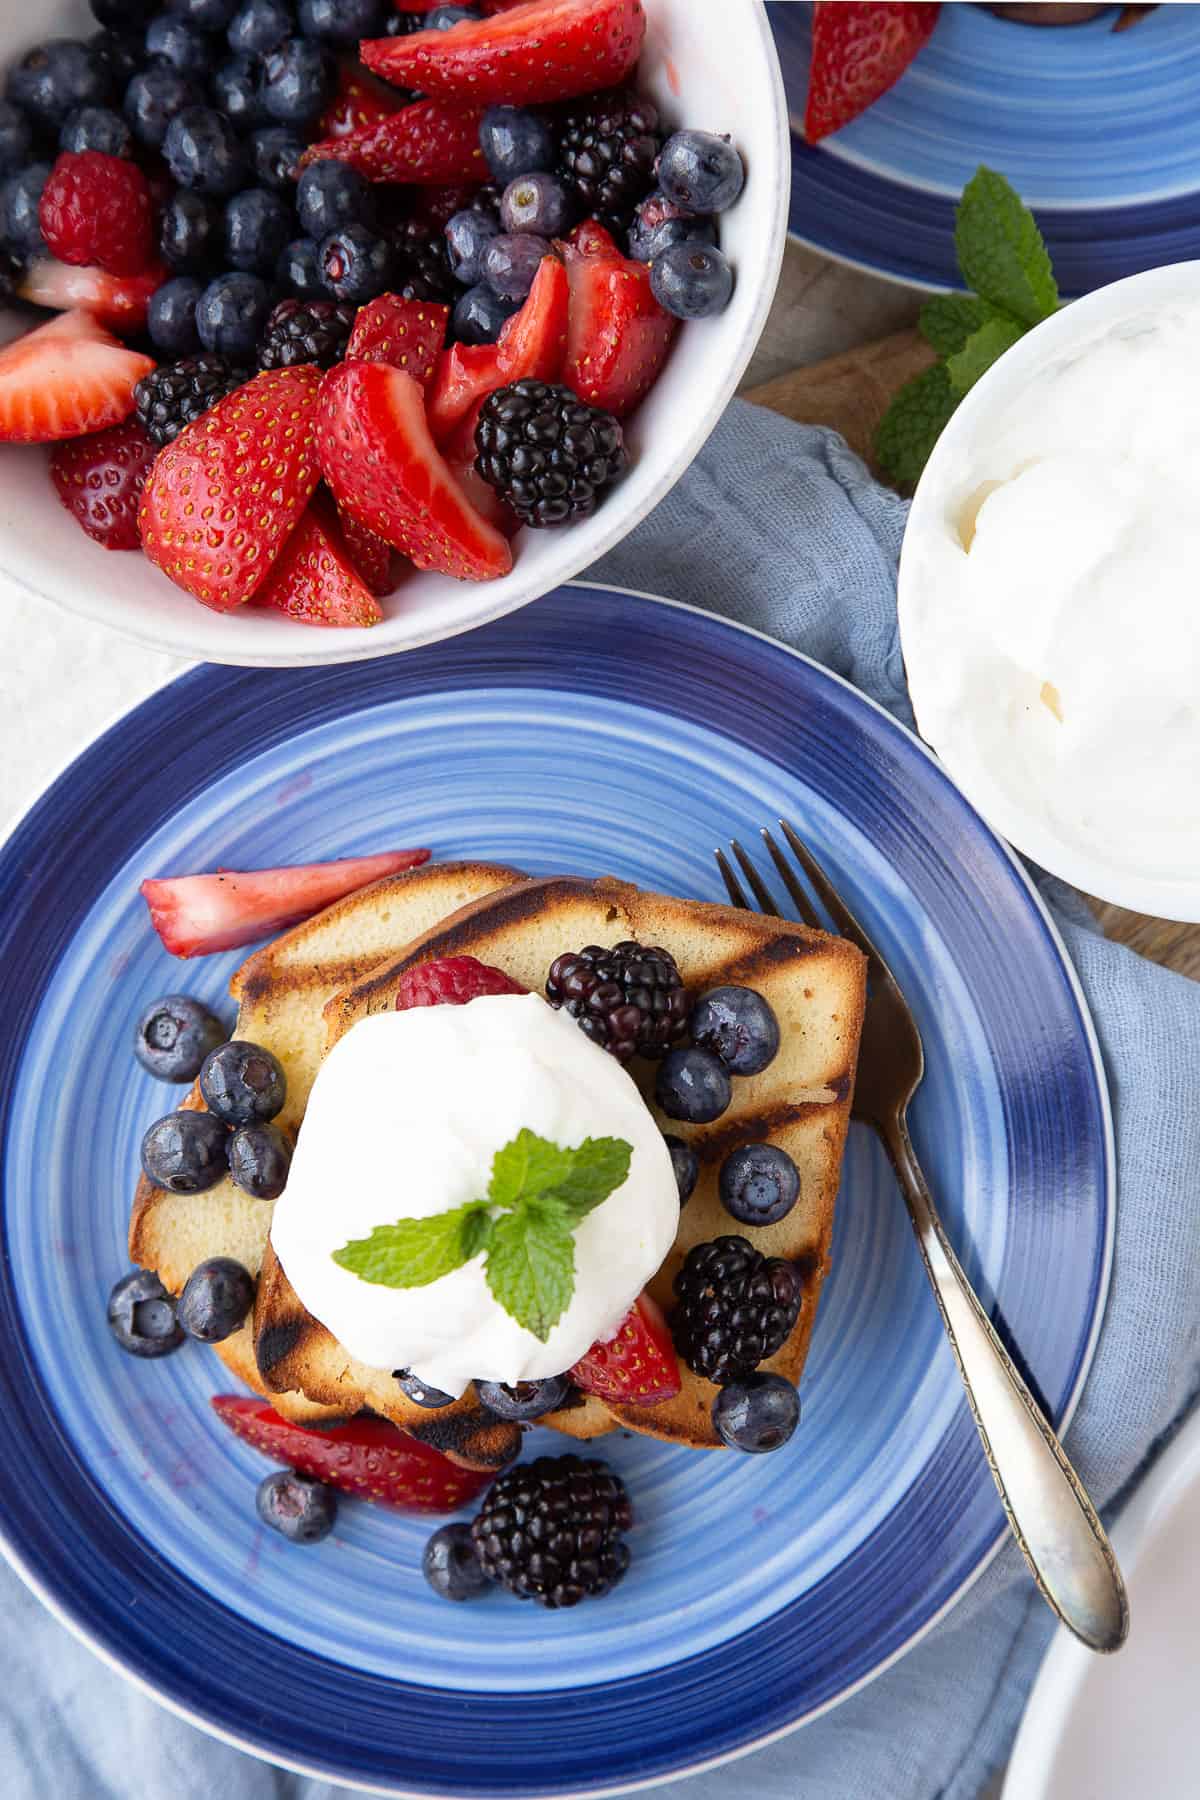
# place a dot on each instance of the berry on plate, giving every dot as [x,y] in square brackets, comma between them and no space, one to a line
[617,333]
[546,50]
[184,1152]
[259,1158]
[240,1082]
[693,1085]
[759,1184]
[315,578]
[355,263]
[700,171]
[858,52]
[177,394]
[658,223]
[195,915]
[55,78]
[431,141]
[155,97]
[511,261]
[141,1315]
[452,981]
[408,334]
[99,480]
[531,344]
[66,378]
[536,203]
[224,496]
[216,1297]
[480,315]
[97,209]
[686,1165]
[548,455]
[119,301]
[203,151]
[300,1508]
[691,280]
[756,1415]
[607,146]
[171,316]
[637,1367]
[368,1457]
[515,142]
[298,81]
[551,1530]
[737,1025]
[450,1565]
[527,1401]
[629,999]
[735,1308]
[174,1035]
[305,331]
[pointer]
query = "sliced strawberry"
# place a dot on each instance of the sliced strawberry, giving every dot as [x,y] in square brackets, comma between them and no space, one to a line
[531,342]
[99,479]
[314,578]
[591,238]
[482,495]
[359,102]
[617,333]
[196,915]
[452,981]
[119,301]
[224,497]
[366,1457]
[372,558]
[64,379]
[858,52]
[408,334]
[637,1367]
[386,472]
[540,51]
[432,141]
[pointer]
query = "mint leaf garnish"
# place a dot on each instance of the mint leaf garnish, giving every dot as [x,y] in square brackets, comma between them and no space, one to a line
[531,1267]
[1000,249]
[528,1165]
[948,320]
[413,1252]
[980,351]
[913,423]
[598,1168]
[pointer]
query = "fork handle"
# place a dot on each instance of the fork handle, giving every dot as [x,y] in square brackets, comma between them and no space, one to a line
[1051,1517]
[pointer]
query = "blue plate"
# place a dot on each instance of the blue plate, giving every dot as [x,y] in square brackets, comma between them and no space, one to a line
[1097,130]
[595,731]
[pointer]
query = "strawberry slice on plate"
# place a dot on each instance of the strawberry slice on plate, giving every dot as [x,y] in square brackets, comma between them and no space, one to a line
[118,301]
[617,333]
[408,334]
[314,578]
[531,342]
[386,471]
[67,377]
[431,141]
[196,915]
[99,479]
[637,1367]
[366,1457]
[858,53]
[540,51]
[370,556]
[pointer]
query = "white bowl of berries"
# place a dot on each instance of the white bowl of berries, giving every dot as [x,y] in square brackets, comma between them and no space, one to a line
[325,370]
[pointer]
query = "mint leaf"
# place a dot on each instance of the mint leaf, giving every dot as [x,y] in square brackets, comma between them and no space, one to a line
[598,1168]
[531,1267]
[948,320]
[413,1252]
[913,423]
[527,1166]
[982,348]
[1000,249]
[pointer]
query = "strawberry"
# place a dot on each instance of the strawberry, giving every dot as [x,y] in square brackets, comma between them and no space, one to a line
[481,493]
[371,557]
[99,480]
[637,1367]
[97,209]
[531,342]
[196,915]
[544,50]
[408,334]
[858,52]
[451,981]
[66,378]
[591,238]
[225,495]
[617,333]
[366,1457]
[359,102]
[118,301]
[314,578]
[432,141]
[386,472]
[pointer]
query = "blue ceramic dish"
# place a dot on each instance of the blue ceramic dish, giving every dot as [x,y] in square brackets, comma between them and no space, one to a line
[595,732]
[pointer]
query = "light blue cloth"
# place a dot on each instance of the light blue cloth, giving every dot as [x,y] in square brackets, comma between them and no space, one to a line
[781,527]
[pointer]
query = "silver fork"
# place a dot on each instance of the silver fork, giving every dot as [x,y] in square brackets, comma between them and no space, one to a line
[1051,1517]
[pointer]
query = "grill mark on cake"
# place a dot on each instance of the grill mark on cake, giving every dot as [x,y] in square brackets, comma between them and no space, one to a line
[713,1144]
[477,1436]
[275,1343]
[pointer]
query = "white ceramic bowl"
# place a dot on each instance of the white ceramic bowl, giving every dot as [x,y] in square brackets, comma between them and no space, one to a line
[720,79]
[984,759]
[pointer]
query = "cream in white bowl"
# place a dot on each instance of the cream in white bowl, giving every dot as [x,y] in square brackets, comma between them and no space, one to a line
[715,75]
[1050,594]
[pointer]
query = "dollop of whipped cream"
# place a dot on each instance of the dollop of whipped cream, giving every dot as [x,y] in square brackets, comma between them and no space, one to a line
[404,1118]
[1050,611]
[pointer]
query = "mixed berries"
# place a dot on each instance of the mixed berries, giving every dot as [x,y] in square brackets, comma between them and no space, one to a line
[243,1087]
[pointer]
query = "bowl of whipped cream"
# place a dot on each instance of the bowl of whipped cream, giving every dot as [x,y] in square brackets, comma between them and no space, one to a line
[1049,594]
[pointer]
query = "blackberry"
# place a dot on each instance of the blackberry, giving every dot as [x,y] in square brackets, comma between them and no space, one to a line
[550,1530]
[607,148]
[422,269]
[306,331]
[175,394]
[735,1308]
[546,452]
[630,1000]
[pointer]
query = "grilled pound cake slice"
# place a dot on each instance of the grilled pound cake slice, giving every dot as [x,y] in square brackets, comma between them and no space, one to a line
[281,992]
[801,1102]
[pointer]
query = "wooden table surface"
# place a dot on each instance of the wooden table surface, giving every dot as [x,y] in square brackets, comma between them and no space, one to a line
[837,345]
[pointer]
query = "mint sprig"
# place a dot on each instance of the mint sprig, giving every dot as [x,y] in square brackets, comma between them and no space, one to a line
[1002,256]
[524,1227]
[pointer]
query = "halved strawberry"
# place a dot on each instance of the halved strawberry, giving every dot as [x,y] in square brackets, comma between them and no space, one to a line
[531,342]
[67,377]
[196,915]
[371,557]
[119,301]
[360,101]
[99,479]
[591,238]
[637,1367]
[617,333]
[386,472]
[482,494]
[858,52]
[314,579]
[366,1457]
[223,498]
[433,141]
[543,50]
[408,334]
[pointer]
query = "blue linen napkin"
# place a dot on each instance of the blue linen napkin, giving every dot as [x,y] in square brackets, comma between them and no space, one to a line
[800,542]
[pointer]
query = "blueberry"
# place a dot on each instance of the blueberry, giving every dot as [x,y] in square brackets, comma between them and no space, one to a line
[479,314]
[701,171]
[527,1400]
[16,138]
[171,324]
[241,1082]
[19,198]
[298,81]
[190,232]
[122,55]
[259,26]
[56,78]
[258,224]
[443,18]
[141,1315]
[759,1184]
[691,280]
[515,142]
[468,234]
[123,15]
[298,270]
[737,1025]
[329,194]
[511,262]
[756,1415]
[658,223]
[355,265]
[259,1158]
[96,128]
[298,1507]
[450,1565]
[686,1165]
[215,1300]
[175,1034]
[185,1152]
[341,21]
[173,41]
[276,154]
[420,1392]
[692,1085]
[235,93]
[203,152]
[537,203]
[154,98]
[205,15]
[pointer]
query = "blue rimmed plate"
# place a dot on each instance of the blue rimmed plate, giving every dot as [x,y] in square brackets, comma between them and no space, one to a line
[597,731]
[1097,130]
